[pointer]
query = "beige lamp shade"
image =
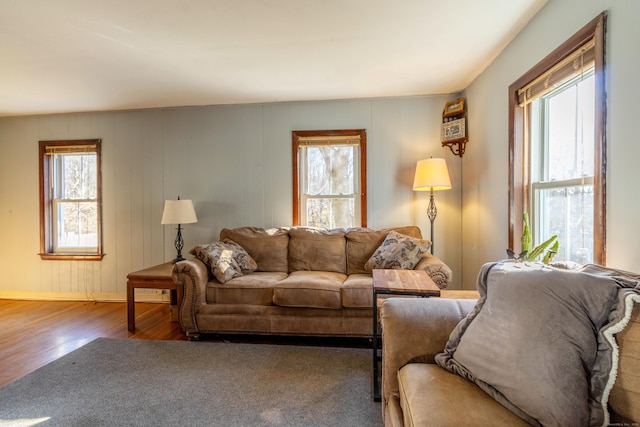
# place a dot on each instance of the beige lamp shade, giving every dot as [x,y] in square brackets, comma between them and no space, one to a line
[431,174]
[178,212]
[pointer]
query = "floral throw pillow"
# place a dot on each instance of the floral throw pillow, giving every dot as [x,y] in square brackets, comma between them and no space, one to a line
[244,260]
[398,252]
[225,260]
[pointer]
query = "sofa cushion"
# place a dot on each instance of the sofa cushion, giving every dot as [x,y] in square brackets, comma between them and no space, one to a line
[363,242]
[317,249]
[268,248]
[357,291]
[226,260]
[254,289]
[398,251]
[625,395]
[540,340]
[313,289]
[432,396]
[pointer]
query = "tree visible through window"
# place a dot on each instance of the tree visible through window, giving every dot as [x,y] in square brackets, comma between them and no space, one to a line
[562,172]
[70,199]
[329,179]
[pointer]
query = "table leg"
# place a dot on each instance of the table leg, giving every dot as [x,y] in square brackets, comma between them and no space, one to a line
[179,296]
[173,307]
[376,383]
[131,316]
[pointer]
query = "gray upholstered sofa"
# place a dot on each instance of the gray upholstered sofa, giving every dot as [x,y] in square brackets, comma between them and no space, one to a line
[307,282]
[555,346]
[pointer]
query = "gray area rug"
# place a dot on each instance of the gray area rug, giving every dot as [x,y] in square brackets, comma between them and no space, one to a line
[120,382]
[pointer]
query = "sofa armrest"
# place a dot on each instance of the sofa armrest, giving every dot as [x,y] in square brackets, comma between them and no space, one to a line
[193,275]
[415,330]
[439,272]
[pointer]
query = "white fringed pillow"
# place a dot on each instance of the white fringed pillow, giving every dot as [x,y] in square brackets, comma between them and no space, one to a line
[541,341]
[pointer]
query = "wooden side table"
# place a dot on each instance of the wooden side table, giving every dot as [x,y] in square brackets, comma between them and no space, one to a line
[396,282]
[156,277]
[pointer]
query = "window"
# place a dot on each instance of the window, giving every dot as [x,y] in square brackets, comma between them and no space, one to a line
[329,178]
[557,148]
[562,165]
[70,200]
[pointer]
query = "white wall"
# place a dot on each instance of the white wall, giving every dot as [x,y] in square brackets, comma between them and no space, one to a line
[485,164]
[233,161]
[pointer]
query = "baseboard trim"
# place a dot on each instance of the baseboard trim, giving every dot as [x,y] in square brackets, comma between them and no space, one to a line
[83,296]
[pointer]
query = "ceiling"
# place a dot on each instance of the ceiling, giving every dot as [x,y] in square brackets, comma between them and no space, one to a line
[94,55]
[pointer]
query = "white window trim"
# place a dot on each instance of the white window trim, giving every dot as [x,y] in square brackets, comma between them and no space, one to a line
[305,196]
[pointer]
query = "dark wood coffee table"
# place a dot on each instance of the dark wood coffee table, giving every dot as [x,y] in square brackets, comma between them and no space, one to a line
[156,277]
[396,282]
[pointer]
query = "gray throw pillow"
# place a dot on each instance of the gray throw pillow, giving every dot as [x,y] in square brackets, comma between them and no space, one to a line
[541,340]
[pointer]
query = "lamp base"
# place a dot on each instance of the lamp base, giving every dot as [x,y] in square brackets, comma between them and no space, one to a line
[431,213]
[179,244]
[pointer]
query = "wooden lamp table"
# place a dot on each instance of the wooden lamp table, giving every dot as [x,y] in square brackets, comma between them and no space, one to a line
[396,282]
[156,277]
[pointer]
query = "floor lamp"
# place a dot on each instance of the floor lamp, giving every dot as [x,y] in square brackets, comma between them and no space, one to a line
[431,175]
[178,212]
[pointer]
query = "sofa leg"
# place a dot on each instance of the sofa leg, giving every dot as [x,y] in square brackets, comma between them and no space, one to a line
[193,336]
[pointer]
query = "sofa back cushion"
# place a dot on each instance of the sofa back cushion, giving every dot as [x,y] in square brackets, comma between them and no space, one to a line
[317,249]
[268,248]
[363,242]
[625,395]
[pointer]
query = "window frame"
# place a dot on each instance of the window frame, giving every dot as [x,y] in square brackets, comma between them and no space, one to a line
[46,165]
[296,135]
[519,185]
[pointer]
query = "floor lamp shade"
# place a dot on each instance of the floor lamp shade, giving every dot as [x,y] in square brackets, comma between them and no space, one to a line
[431,175]
[178,212]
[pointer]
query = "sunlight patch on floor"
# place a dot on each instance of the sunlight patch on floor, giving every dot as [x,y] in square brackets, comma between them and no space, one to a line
[23,422]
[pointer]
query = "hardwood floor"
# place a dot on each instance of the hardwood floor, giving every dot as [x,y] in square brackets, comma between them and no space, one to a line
[33,333]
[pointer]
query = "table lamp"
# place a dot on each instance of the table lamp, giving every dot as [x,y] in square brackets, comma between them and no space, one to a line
[178,212]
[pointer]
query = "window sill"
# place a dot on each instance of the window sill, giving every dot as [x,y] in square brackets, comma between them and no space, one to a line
[71,257]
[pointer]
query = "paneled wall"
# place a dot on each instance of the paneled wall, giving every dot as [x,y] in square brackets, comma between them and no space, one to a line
[234,162]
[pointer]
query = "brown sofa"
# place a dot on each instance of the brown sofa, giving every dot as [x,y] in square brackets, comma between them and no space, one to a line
[308,282]
[417,391]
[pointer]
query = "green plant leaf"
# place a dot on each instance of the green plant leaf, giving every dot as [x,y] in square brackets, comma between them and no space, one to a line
[538,250]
